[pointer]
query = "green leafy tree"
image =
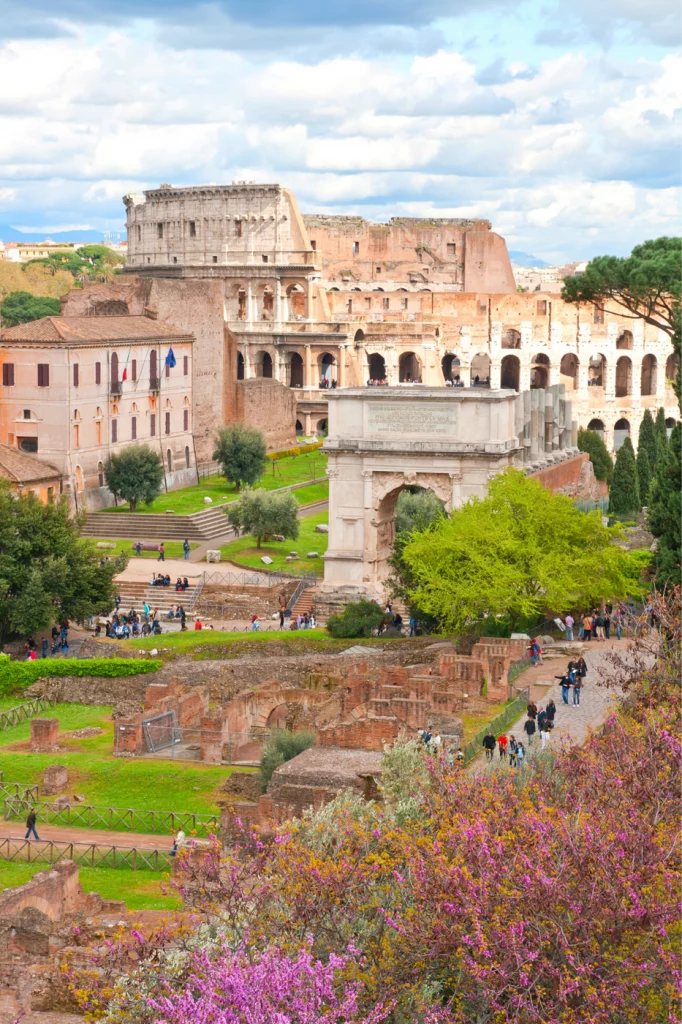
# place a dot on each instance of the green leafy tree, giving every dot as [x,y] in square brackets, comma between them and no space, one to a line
[661,431]
[47,573]
[134,475]
[283,745]
[624,496]
[591,442]
[359,618]
[665,511]
[65,260]
[519,551]
[648,440]
[264,514]
[643,474]
[242,455]
[645,285]
[22,307]
[415,510]
[100,255]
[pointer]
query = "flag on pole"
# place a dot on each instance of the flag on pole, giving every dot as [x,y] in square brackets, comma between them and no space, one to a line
[170,358]
[125,368]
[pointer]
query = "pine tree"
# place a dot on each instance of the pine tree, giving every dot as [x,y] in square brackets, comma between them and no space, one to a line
[643,474]
[624,491]
[648,442]
[602,463]
[661,432]
[665,511]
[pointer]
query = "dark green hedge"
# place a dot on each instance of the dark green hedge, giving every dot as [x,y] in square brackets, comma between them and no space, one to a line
[17,675]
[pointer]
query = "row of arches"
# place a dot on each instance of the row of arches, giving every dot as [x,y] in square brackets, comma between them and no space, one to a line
[621,429]
[260,303]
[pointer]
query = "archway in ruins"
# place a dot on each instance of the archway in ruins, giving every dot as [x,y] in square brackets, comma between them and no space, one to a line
[568,371]
[385,506]
[510,373]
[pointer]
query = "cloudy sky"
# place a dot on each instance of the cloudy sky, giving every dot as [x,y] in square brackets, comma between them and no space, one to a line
[556,119]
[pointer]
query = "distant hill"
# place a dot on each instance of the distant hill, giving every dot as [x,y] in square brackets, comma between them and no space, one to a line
[524,259]
[8,234]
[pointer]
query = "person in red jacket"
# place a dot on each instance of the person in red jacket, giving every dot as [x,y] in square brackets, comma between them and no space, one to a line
[502,746]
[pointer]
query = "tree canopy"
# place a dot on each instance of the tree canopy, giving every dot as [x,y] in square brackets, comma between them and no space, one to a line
[624,498]
[665,511]
[415,510]
[47,573]
[591,442]
[521,550]
[265,514]
[135,475]
[22,307]
[241,453]
[647,284]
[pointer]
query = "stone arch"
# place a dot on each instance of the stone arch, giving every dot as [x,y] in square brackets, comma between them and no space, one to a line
[277,719]
[596,370]
[295,370]
[648,375]
[321,426]
[240,366]
[672,368]
[510,372]
[669,425]
[263,364]
[623,377]
[376,366]
[299,428]
[409,368]
[625,340]
[78,473]
[511,338]
[480,370]
[621,430]
[359,337]
[386,489]
[597,426]
[450,364]
[295,295]
[326,364]
[568,371]
[539,371]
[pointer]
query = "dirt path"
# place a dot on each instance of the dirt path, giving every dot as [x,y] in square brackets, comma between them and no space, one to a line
[64,834]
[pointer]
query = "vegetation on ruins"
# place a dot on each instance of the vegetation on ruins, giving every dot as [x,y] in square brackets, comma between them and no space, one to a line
[646,284]
[134,475]
[94,262]
[543,896]
[17,675]
[521,551]
[241,453]
[665,511]
[624,497]
[262,515]
[591,442]
[282,745]
[22,307]
[358,618]
[47,573]
[416,509]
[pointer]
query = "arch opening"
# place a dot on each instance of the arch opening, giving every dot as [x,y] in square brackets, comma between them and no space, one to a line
[649,375]
[409,368]
[240,366]
[672,369]
[296,371]
[511,338]
[539,371]
[326,369]
[450,365]
[377,366]
[510,373]
[621,430]
[406,507]
[480,371]
[597,426]
[623,377]
[568,371]
[625,340]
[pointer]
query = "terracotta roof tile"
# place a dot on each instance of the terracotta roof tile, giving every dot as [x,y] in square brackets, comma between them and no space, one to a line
[22,468]
[84,329]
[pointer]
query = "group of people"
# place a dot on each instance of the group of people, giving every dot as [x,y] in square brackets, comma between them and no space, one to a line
[376,383]
[304,620]
[538,721]
[573,679]
[159,580]
[325,383]
[137,548]
[433,741]
[59,643]
[454,383]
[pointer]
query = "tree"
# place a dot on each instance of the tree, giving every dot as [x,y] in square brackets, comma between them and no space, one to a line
[521,550]
[624,496]
[100,255]
[665,511]
[242,454]
[22,307]
[661,431]
[644,285]
[282,746]
[643,474]
[135,475]
[648,439]
[263,514]
[47,573]
[591,442]
[415,510]
[359,618]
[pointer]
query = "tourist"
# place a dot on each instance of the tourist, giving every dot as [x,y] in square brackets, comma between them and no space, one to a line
[607,626]
[171,612]
[255,623]
[564,683]
[535,651]
[197,624]
[437,743]
[388,609]
[185,583]
[282,610]
[587,627]
[183,620]
[137,547]
[312,619]
[577,687]
[178,842]
[581,668]
[513,747]
[541,719]
[599,626]
[569,626]
[166,581]
[502,747]
[529,729]
[178,585]
[459,756]
[162,553]
[117,602]
[532,710]
[179,612]
[550,711]
[489,745]
[31,825]
[398,621]
[413,626]
[155,615]
[520,755]
[617,623]
[425,735]
[185,549]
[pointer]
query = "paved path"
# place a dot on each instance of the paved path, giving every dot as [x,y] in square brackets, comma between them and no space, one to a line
[65,834]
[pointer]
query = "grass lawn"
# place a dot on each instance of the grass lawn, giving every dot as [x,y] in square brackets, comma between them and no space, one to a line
[244,551]
[472,723]
[312,493]
[293,469]
[173,547]
[140,889]
[107,780]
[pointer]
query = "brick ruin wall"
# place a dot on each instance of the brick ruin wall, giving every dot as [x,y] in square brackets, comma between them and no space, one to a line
[269,406]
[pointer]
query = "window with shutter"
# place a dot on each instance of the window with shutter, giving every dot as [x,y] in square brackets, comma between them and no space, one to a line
[152,424]
[114,431]
[133,369]
[75,375]
[133,428]
[185,419]
[43,375]
[168,423]
[98,373]
[185,365]
[8,374]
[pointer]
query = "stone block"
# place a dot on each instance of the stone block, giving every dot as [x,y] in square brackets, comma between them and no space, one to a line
[279,537]
[213,556]
[44,735]
[61,803]
[106,544]
[322,528]
[312,554]
[55,779]
[208,501]
[266,560]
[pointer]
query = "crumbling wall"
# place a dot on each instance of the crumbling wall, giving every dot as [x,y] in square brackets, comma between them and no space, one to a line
[269,406]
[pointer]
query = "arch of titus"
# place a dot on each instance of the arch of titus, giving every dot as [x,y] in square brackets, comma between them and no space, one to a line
[449,441]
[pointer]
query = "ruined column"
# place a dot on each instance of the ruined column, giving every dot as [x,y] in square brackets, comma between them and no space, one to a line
[549,420]
[534,425]
[342,366]
[495,376]
[308,368]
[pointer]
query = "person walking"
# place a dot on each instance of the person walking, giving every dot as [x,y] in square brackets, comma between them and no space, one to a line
[282,610]
[178,842]
[413,626]
[607,626]
[587,627]
[185,549]
[581,668]
[138,548]
[550,711]
[31,825]
[564,683]
[513,747]
[599,626]
[532,710]
[529,729]
[535,652]
[489,746]
[570,621]
[162,553]
[545,730]
[617,623]
[577,687]
[520,755]
[502,747]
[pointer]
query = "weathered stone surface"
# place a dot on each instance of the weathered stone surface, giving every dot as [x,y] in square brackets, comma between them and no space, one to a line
[322,528]
[243,785]
[266,560]
[55,779]
[44,735]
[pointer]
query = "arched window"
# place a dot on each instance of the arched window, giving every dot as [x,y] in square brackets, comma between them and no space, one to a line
[240,366]
[510,373]
[266,365]
[79,478]
[327,368]
[649,375]
[450,365]
[169,460]
[480,370]
[568,371]
[409,368]
[359,337]
[511,338]
[100,473]
[299,428]
[597,371]
[623,377]
[621,430]
[377,367]
[321,426]
[539,371]
[296,371]
[669,424]
[114,368]
[597,426]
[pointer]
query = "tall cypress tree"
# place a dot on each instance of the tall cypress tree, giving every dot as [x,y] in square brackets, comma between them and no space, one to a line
[643,474]
[590,441]
[661,432]
[624,492]
[648,441]
[665,511]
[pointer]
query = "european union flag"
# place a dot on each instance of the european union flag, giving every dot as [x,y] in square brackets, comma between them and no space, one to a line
[170,358]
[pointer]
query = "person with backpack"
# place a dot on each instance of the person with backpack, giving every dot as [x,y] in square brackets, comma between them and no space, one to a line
[31,825]
[529,729]
[185,549]
[513,747]
[532,710]
[489,746]
[520,755]
[502,747]
[577,687]
[587,627]
[581,668]
[550,711]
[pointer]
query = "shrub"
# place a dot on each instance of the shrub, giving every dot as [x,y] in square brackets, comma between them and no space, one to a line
[282,746]
[17,675]
[591,442]
[360,618]
[624,491]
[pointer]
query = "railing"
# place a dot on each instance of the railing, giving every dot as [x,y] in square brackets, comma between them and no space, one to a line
[510,714]
[91,854]
[115,819]
[306,581]
[248,579]
[24,712]
[196,593]
[517,667]
[18,791]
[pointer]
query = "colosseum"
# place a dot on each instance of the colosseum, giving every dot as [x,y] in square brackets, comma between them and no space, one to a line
[287,306]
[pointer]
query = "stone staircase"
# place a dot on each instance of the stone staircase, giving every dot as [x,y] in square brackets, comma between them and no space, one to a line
[134,594]
[305,602]
[200,526]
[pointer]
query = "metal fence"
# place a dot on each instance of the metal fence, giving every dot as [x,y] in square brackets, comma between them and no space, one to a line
[24,712]
[115,819]
[305,582]
[509,715]
[93,855]
[517,667]
[182,743]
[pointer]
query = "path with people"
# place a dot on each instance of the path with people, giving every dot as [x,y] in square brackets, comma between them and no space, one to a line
[99,837]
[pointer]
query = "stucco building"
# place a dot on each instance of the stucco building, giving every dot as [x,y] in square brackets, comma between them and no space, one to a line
[29,473]
[75,389]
